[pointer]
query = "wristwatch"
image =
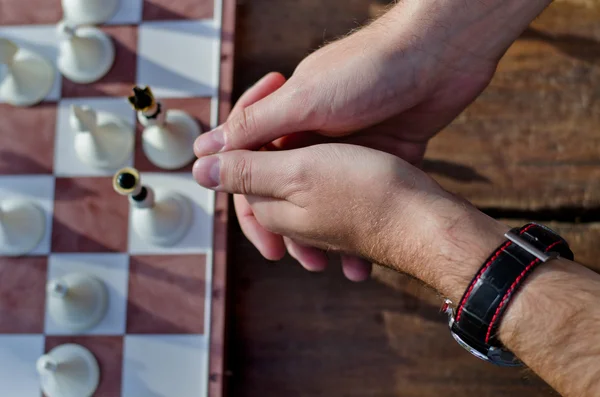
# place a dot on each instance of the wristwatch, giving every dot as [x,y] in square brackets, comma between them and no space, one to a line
[475,321]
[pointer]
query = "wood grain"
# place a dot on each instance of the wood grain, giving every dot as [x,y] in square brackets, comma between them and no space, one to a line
[531,141]
[302,334]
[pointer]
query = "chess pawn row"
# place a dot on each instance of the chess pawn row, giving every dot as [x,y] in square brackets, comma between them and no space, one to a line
[162,218]
[25,77]
[85,55]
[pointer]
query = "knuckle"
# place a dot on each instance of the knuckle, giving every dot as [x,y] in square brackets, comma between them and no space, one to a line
[306,103]
[299,181]
[241,175]
[243,125]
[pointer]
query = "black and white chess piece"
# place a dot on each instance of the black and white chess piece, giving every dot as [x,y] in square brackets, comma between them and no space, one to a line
[169,134]
[161,218]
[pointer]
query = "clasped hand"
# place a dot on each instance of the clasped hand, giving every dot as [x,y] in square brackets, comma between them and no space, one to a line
[343,138]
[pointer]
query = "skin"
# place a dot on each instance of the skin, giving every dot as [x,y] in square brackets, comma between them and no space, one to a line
[390,86]
[338,171]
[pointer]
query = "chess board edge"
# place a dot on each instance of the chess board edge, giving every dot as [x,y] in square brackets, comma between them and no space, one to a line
[217,384]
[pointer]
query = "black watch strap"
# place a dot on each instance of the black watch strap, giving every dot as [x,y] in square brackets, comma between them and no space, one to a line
[481,308]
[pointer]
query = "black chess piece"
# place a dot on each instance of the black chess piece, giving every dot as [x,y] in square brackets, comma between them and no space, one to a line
[126,180]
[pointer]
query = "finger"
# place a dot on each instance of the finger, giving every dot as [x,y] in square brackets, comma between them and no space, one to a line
[298,140]
[355,269]
[312,259]
[277,216]
[266,174]
[270,245]
[272,117]
[263,87]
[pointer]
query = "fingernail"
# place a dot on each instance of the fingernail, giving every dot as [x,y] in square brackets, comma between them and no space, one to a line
[207,171]
[210,143]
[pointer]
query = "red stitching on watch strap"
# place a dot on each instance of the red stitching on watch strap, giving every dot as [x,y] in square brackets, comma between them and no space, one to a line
[512,287]
[483,269]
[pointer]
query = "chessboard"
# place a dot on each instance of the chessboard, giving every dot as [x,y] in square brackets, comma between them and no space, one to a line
[77,276]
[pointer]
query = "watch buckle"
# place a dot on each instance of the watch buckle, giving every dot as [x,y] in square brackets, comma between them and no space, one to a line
[494,355]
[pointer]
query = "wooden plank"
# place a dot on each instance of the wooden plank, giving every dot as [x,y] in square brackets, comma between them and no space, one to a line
[300,334]
[583,239]
[532,140]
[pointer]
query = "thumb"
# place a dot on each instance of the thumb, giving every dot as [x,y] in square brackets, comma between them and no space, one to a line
[249,173]
[272,117]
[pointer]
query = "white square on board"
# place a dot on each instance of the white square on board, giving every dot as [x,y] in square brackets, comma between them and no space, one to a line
[113,270]
[66,162]
[129,12]
[38,189]
[18,357]
[199,238]
[164,365]
[179,59]
[42,39]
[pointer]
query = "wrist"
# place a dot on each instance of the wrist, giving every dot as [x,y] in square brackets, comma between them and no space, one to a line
[467,237]
[447,242]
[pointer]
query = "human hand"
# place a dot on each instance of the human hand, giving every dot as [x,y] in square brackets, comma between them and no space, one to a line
[390,86]
[271,245]
[386,86]
[364,98]
[354,200]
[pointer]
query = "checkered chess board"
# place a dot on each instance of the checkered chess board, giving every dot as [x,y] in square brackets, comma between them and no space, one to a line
[163,331]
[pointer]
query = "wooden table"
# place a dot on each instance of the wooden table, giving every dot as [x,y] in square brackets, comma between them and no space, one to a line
[528,149]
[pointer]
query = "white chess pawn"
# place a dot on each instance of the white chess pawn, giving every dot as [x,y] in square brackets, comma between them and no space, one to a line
[22,227]
[76,301]
[68,370]
[163,219]
[169,135]
[89,12]
[25,77]
[85,54]
[102,140]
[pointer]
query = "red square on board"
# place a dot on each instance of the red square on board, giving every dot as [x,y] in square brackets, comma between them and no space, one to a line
[108,351]
[166,294]
[121,78]
[89,216]
[198,108]
[22,294]
[30,12]
[27,139]
[168,10]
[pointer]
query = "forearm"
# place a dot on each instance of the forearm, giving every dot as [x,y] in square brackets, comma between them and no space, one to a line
[460,32]
[552,325]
